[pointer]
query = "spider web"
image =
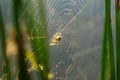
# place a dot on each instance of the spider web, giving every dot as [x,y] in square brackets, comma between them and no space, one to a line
[63,12]
[62,16]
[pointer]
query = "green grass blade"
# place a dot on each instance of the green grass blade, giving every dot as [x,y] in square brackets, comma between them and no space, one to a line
[17,9]
[6,67]
[40,47]
[117,12]
[108,68]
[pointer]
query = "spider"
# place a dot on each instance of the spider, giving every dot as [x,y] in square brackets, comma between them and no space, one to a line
[56,39]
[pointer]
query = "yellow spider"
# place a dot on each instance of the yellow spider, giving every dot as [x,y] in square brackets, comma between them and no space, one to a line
[56,39]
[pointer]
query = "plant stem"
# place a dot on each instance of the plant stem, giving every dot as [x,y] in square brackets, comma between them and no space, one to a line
[117,11]
[108,66]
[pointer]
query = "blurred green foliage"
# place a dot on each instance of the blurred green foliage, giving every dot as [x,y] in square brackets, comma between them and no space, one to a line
[108,70]
[29,62]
